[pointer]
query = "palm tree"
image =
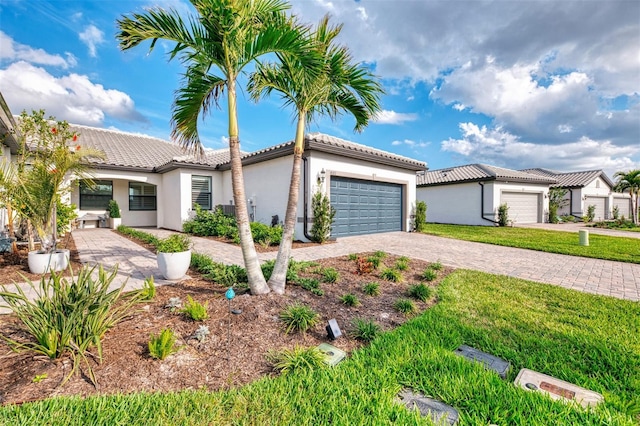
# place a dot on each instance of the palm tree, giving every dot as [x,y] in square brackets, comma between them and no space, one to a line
[630,181]
[333,86]
[227,36]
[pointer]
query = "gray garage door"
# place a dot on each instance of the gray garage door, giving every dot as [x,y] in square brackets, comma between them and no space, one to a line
[601,207]
[624,206]
[523,206]
[365,207]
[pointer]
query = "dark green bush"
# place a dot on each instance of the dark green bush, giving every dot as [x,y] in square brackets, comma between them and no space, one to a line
[266,235]
[503,214]
[323,215]
[421,216]
[145,237]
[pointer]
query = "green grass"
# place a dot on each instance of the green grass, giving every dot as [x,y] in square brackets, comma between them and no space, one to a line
[600,246]
[592,341]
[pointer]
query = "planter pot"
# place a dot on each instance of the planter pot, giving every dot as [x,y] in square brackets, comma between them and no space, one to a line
[114,222]
[174,266]
[41,262]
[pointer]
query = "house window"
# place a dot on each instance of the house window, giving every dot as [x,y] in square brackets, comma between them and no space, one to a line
[142,196]
[96,196]
[597,184]
[201,191]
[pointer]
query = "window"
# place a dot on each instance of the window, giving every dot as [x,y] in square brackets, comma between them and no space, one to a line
[97,196]
[142,196]
[201,191]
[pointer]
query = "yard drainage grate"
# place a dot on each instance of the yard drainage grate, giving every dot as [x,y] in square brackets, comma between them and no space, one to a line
[439,412]
[556,388]
[332,354]
[490,362]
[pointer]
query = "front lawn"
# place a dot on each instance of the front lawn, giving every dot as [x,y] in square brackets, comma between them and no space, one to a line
[600,246]
[592,341]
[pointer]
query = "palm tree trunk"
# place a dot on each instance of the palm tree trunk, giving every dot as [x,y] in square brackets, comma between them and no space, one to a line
[278,278]
[257,283]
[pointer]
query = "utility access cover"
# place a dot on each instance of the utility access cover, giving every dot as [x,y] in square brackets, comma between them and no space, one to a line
[556,388]
[332,355]
[438,411]
[490,362]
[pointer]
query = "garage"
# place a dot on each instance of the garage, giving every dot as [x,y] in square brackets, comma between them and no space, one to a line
[624,206]
[365,207]
[524,207]
[601,207]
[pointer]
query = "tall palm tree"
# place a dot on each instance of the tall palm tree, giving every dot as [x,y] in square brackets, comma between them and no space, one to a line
[335,85]
[630,181]
[225,36]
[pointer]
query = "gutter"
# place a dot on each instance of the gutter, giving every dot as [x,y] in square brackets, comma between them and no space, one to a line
[482,204]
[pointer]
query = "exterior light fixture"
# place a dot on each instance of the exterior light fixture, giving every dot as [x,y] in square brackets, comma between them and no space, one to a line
[322,175]
[333,331]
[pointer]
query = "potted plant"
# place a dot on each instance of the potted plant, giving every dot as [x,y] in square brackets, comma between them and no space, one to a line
[113,210]
[174,256]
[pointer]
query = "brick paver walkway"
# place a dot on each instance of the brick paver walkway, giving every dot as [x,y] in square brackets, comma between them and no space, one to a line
[617,279]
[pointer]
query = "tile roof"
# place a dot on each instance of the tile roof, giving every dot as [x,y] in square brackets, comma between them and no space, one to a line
[573,179]
[477,173]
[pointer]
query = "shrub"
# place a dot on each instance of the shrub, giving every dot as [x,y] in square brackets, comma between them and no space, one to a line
[163,344]
[363,266]
[298,317]
[503,214]
[380,254]
[429,274]
[591,213]
[371,289]
[145,237]
[266,235]
[69,316]
[375,261]
[420,291]
[195,310]
[226,275]
[401,265]
[352,256]
[214,223]
[65,213]
[553,213]
[175,243]
[404,306]
[420,220]
[297,359]
[349,299]
[392,275]
[330,275]
[323,215]
[113,209]
[365,330]
[311,284]
[436,266]
[148,291]
[615,212]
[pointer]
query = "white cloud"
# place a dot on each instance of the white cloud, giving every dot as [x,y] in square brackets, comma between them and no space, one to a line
[459,107]
[14,51]
[92,36]
[392,117]
[411,143]
[72,97]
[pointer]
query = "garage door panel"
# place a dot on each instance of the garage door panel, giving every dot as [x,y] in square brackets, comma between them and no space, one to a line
[600,212]
[364,207]
[624,206]
[524,207]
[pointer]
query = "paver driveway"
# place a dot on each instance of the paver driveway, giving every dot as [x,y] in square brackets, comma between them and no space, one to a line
[617,279]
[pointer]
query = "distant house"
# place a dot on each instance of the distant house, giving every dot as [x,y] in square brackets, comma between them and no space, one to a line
[471,194]
[588,188]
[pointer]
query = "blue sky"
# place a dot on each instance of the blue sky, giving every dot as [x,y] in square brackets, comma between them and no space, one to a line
[516,84]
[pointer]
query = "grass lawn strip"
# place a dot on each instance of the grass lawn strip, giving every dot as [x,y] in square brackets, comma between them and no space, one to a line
[606,247]
[592,341]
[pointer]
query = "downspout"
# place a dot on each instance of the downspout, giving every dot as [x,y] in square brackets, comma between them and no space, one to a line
[482,204]
[305,215]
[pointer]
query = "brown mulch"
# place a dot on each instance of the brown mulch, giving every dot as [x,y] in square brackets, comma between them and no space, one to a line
[223,360]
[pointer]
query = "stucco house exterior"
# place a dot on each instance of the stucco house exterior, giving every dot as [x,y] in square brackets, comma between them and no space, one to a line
[471,194]
[586,188]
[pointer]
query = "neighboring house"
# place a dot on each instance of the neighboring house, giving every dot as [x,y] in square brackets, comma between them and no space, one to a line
[8,146]
[588,188]
[471,195]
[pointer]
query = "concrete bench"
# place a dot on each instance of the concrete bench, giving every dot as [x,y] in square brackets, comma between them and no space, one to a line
[100,220]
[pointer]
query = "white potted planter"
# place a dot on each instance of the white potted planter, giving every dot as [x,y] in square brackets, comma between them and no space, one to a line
[174,256]
[41,262]
[114,222]
[113,211]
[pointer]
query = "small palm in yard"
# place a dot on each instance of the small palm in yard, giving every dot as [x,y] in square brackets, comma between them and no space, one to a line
[297,359]
[365,330]
[350,299]
[163,344]
[298,317]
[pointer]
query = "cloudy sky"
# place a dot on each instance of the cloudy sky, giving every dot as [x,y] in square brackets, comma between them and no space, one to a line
[517,84]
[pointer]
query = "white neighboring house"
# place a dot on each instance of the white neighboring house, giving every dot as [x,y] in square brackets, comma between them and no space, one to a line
[471,195]
[8,146]
[586,188]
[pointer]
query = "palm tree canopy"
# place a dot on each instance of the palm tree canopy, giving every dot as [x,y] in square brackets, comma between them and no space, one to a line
[628,180]
[225,36]
[334,86]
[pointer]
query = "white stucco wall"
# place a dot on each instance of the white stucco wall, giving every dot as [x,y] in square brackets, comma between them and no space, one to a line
[576,205]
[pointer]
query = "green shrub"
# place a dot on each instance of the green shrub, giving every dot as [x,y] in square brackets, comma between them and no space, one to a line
[375,261]
[292,270]
[591,213]
[175,243]
[420,292]
[436,266]
[65,213]
[503,214]
[113,209]
[323,215]
[420,220]
[352,256]
[297,359]
[401,265]
[195,310]
[142,236]
[266,235]
[163,344]
[429,274]
[311,284]
[553,213]
[148,291]
[330,275]
[371,289]
[349,299]
[365,330]
[404,306]
[226,275]
[298,317]
[392,275]
[213,223]
[380,254]
[69,316]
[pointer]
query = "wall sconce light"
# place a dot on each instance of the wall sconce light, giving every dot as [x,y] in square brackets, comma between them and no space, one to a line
[333,331]
[322,175]
[546,196]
